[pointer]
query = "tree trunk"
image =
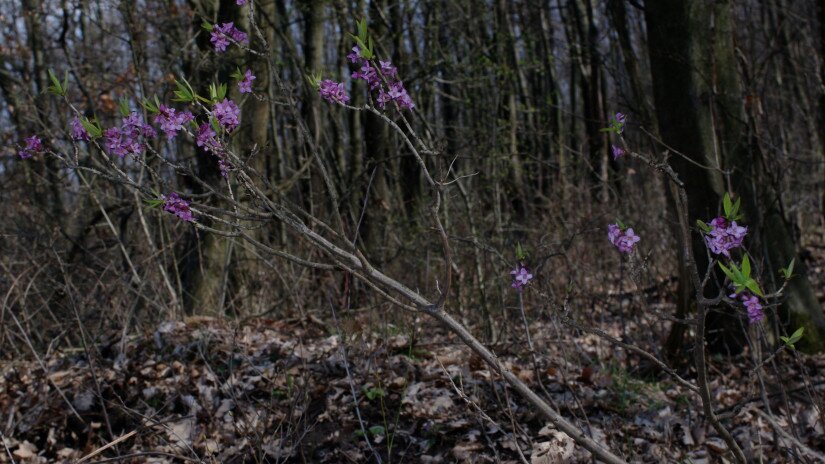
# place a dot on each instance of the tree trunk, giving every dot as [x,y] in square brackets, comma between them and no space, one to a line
[700,112]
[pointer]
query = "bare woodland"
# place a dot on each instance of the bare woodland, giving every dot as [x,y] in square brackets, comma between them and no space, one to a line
[505,245]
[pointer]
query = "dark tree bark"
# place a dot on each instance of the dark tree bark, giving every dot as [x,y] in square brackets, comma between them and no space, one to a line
[700,113]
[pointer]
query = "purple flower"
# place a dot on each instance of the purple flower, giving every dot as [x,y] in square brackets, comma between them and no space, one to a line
[206,137]
[112,140]
[171,122]
[221,35]
[355,55]
[396,93]
[223,165]
[33,145]
[521,275]
[624,240]
[239,36]
[78,131]
[178,206]
[333,92]
[755,313]
[240,2]
[388,70]
[724,236]
[127,139]
[135,127]
[245,84]
[752,305]
[219,40]
[620,119]
[227,113]
[618,152]
[368,74]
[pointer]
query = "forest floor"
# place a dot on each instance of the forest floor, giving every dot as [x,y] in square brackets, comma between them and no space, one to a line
[208,390]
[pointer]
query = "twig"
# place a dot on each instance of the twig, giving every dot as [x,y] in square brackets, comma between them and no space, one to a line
[781,430]
[352,386]
[107,446]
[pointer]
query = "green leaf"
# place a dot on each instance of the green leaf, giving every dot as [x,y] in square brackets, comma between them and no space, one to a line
[314,80]
[377,431]
[53,78]
[794,338]
[727,272]
[92,128]
[363,46]
[703,226]
[788,271]
[737,274]
[237,75]
[362,29]
[754,287]
[207,26]
[797,335]
[184,92]
[746,267]
[216,126]
[374,392]
[154,203]
[123,106]
[150,107]
[57,88]
[727,205]
[520,254]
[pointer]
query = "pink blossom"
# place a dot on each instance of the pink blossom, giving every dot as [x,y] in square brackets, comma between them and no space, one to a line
[624,240]
[245,84]
[521,276]
[178,206]
[333,92]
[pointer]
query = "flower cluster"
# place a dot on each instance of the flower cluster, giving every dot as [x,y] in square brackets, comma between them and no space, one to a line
[128,138]
[171,122]
[333,92]
[724,236]
[178,206]
[227,113]
[753,306]
[618,152]
[221,35]
[623,239]
[206,138]
[395,91]
[521,276]
[245,84]
[78,131]
[33,145]
[368,74]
